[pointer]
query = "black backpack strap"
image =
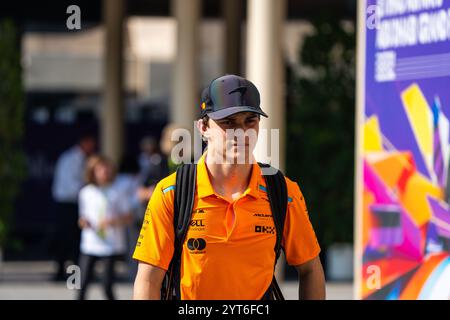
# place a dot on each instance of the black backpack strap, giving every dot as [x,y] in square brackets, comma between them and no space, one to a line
[183,204]
[278,198]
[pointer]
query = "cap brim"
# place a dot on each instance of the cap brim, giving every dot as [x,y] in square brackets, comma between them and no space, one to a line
[226,112]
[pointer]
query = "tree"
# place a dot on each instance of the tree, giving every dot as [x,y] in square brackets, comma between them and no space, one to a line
[321,126]
[12,159]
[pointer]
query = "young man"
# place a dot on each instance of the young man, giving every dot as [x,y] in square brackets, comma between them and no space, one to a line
[225,254]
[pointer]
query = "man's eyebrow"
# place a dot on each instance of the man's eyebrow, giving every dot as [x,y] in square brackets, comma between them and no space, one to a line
[232,118]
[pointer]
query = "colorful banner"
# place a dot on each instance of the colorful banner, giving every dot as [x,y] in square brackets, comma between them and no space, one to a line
[402,202]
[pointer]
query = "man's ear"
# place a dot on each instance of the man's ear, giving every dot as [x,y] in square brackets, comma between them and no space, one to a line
[201,127]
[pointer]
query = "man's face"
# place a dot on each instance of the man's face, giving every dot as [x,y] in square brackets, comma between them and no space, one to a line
[88,145]
[233,139]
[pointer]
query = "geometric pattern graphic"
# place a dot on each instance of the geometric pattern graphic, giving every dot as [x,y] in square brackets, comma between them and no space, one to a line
[406,221]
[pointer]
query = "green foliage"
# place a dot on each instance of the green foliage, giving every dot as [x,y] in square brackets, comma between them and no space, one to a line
[12,160]
[321,128]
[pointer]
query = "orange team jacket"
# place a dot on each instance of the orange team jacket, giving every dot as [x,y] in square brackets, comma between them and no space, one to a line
[228,252]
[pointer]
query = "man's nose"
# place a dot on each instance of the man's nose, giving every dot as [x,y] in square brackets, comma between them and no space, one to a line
[242,125]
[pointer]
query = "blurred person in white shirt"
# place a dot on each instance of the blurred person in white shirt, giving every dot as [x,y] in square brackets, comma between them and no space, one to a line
[104,213]
[67,183]
[128,182]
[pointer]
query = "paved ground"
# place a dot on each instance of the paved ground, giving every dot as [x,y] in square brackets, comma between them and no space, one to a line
[32,281]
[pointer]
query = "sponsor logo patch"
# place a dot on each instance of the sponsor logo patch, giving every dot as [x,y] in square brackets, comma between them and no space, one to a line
[265,229]
[196,245]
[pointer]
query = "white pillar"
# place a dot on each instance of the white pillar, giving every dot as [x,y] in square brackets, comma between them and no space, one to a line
[264,67]
[185,103]
[112,110]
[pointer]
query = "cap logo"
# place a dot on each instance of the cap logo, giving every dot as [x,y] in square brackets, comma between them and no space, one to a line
[203,106]
[241,90]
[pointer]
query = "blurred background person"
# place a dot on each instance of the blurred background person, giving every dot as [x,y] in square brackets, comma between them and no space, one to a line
[168,144]
[150,159]
[103,216]
[68,180]
[154,165]
[127,183]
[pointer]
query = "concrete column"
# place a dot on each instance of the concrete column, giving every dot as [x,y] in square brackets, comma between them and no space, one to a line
[112,112]
[232,15]
[264,67]
[185,104]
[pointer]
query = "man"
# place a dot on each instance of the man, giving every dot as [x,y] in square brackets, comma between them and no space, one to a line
[225,255]
[153,167]
[67,183]
[150,160]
